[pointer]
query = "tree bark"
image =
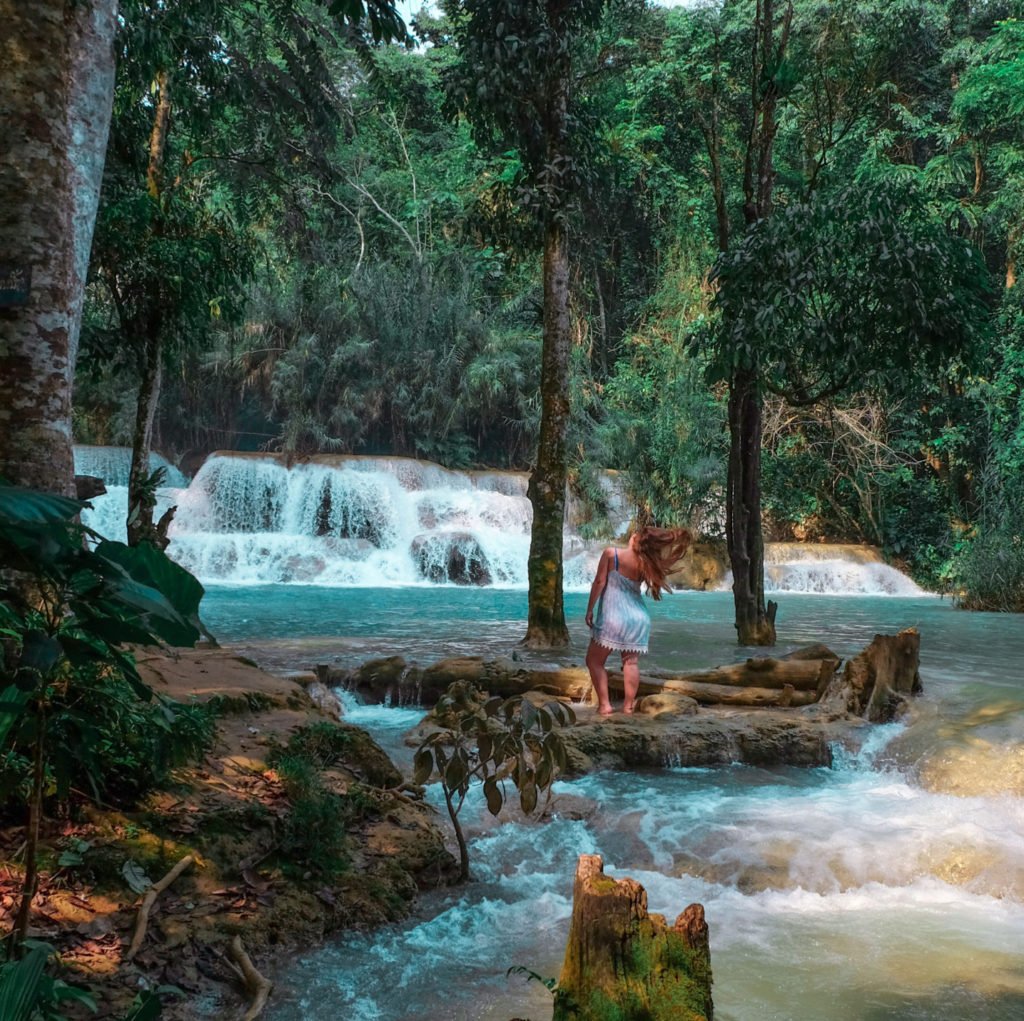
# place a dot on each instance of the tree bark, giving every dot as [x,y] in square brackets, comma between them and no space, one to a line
[879,681]
[55,103]
[141,501]
[622,962]
[546,615]
[141,498]
[755,620]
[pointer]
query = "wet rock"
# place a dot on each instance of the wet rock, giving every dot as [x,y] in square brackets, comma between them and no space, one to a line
[668,703]
[302,567]
[710,737]
[451,556]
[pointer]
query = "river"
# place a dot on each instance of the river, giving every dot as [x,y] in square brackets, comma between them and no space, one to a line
[889,886]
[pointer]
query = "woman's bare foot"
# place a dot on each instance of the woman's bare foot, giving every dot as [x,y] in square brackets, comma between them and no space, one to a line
[605,710]
[628,707]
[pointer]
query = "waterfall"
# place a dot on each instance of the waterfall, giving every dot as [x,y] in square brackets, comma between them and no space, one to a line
[827,568]
[109,512]
[112,464]
[355,521]
[347,520]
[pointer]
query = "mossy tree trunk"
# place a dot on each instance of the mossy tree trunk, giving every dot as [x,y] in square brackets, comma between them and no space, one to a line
[546,614]
[622,963]
[546,622]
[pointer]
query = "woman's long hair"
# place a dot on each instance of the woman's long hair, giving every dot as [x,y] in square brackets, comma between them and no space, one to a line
[659,550]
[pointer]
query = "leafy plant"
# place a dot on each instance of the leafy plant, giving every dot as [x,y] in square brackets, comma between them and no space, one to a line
[494,742]
[69,601]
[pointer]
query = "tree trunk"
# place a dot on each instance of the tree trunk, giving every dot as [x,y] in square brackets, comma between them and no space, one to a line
[546,621]
[141,497]
[755,622]
[35,815]
[55,104]
[622,962]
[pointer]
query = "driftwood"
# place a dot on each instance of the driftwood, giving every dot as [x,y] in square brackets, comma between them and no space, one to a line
[622,962]
[142,919]
[257,986]
[761,681]
[720,694]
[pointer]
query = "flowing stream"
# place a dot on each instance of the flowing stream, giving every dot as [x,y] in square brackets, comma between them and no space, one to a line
[888,887]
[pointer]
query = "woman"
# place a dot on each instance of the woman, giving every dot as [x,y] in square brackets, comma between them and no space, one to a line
[622,623]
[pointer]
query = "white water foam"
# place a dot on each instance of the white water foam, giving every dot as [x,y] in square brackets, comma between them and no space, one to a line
[391,521]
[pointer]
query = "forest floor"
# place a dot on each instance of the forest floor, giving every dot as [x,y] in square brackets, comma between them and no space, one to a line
[258,868]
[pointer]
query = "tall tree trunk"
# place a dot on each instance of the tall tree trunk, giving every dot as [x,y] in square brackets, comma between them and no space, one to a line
[141,497]
[55,103]
[755,622]
[546,615]
[546,621]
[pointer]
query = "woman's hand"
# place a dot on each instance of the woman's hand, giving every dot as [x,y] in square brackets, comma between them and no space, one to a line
[589,618]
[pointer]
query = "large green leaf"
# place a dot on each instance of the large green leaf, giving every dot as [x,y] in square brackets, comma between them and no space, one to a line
[12,704]
[20,506]
[20,984]
[147,580]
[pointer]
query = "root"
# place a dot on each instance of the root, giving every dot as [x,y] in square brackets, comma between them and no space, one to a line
[256,985]
[142,921]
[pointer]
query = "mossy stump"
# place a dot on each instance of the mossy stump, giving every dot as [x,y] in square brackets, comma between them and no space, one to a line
[623,964]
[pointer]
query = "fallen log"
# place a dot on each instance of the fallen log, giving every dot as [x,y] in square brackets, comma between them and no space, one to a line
[720,694]
[624,963]
[800,674]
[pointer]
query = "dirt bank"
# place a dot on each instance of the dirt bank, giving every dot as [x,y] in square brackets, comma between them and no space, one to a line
[246,826]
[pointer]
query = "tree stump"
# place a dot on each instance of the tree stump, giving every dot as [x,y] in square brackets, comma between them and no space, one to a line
[877,682]
[626,964]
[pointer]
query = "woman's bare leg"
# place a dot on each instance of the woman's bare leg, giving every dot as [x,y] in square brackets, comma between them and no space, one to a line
[630,680]
[597,656]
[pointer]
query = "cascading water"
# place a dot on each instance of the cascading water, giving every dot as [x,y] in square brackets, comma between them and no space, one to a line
[109,512]
[887,888]
[352,521]
[251,519]
[852,570]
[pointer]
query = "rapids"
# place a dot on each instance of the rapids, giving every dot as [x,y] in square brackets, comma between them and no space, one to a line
[888,887]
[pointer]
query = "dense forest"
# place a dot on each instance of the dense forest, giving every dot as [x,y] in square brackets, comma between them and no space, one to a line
[308,244]
[759,257]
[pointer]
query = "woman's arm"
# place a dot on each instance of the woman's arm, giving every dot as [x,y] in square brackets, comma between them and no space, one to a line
[600,580]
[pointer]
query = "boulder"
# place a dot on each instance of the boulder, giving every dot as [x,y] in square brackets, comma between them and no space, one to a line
[451,556]
[667,703]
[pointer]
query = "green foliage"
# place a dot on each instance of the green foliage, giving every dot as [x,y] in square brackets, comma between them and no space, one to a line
[988,571]
[313,834]
[493,742]
[69,601]
[29,993]
[846,289]
[512,79]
